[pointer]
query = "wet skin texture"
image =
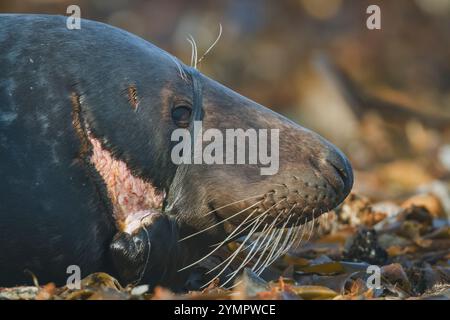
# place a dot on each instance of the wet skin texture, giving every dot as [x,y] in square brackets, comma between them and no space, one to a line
[57,86]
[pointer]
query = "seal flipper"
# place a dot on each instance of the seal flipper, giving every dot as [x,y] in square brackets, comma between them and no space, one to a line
[150,254]
[129,255]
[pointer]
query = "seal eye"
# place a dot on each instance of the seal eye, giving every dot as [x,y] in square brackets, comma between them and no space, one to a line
[181,115]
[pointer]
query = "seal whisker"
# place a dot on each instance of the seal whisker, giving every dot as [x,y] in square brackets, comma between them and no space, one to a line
[231,235]
[293,239]
[295,228]
[194,51]
[235,233]
[212,45]
[241,231]
[250,256]
[180,68]
[279,251]
[235,202]
[272,225]
[269,231]
[219,223]
[290,242]
[274,247]
[250,233]
[282,229]
[303,229]
[267,246]
[217,248]
[282,247]
[258,217]
[312,226]
[234,255]
[287,237]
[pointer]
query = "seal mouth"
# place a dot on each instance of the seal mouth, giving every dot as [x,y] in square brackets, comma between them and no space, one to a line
[133,199]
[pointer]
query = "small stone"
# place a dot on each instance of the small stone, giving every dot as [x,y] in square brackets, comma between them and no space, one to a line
[140,290]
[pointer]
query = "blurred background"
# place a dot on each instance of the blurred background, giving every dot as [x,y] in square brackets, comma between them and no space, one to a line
[383,96]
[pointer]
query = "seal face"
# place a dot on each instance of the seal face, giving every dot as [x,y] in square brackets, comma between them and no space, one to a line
[86,121]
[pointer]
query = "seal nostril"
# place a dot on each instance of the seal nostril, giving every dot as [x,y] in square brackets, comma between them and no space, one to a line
[343,169]
[340,172]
